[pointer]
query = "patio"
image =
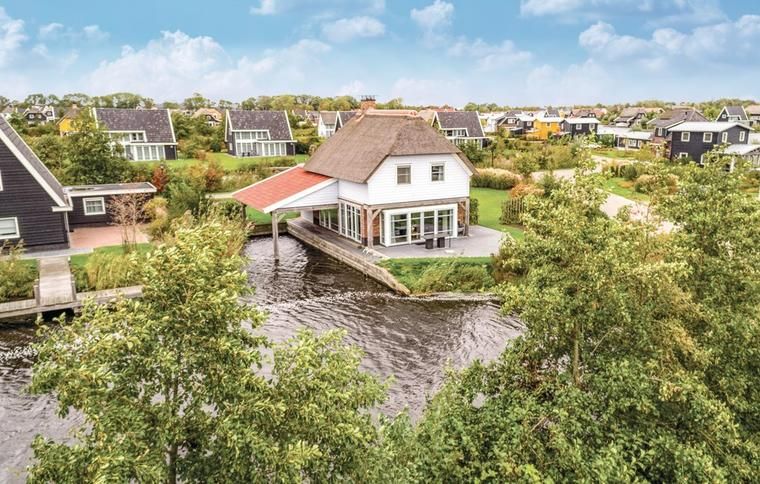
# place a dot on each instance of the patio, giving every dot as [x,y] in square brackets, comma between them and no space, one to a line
[482,242]
[94,237]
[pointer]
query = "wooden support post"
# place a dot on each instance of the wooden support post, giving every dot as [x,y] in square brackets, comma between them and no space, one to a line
[370,224]
[467,217]
[275,234]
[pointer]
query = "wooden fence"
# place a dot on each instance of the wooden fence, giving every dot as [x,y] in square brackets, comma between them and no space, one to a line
[512,210]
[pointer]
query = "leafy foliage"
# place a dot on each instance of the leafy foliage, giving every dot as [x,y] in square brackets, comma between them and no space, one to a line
[16,275]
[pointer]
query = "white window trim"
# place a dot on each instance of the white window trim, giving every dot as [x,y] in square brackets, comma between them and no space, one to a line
[683,155]
[724,137]
[685,136]
[1,181]
[17,234]
[102,200]
[742,135]
[707,137]
[387,229]
[443,172]
[410,174]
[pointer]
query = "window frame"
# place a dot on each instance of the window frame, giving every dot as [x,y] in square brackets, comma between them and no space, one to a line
[742,137]
[102,200]
[724,137]
[16,234]
[440,165]
[705,137]
[682,155]
[685,136]
[409,168]
[1,181]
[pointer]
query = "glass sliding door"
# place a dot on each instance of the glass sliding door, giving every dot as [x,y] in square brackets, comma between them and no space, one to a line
[400,228]
[350,221]
[407,226]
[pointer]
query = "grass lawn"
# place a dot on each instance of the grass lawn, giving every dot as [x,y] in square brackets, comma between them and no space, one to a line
[490,210]
[408,271]
[260,218]
[624,188]
[229,162]
[613,153]
[79,260]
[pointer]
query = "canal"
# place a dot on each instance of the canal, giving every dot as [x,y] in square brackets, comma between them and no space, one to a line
[410,339]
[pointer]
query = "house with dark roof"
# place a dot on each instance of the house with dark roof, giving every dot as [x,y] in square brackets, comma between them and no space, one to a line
[575,127]
[732,114]
[661,125]
[37,210]
[381,180]
[258,133]
[39,114]
[33,204]
[460,127]
[694,139]
[144,134]
[631,116]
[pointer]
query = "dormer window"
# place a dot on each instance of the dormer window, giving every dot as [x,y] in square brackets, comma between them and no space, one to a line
[136,137]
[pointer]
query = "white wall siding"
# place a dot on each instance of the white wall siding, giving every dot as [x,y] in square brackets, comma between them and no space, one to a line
[382,187]
[325,196]
[353,192]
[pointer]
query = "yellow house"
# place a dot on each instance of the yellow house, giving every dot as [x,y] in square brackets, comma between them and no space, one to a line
[65,123]
[545,127]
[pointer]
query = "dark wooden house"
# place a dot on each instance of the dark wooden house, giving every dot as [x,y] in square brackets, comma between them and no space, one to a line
[92,204]
[145,134]
[33,204]
[694,139]
[575,127]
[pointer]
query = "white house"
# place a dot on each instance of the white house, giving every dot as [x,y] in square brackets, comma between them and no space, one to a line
[382,179]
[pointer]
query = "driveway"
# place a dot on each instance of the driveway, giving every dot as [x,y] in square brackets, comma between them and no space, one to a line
[94,237]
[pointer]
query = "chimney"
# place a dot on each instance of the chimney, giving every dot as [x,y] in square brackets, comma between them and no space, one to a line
[368,102]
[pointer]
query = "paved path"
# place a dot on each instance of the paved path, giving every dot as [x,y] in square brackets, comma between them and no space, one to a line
[56,281]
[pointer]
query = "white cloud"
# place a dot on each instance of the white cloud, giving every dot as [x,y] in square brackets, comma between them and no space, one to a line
[50,31]
[266,7]
[489,56]
[433,19]
[718,43]
[94,33]
[176,65]
[354,88]
[346,29]
[12,36]
[664,12]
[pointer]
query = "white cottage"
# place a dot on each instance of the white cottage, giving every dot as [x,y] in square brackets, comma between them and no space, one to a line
[382,179]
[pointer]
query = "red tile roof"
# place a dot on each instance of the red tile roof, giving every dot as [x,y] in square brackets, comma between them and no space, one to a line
[279,187]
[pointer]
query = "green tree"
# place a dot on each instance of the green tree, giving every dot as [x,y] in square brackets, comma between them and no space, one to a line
[91,156]
[196,101]
[51,149]
[607,382]
[171,386]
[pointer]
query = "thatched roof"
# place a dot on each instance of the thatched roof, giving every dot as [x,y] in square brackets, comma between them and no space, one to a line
[356,151]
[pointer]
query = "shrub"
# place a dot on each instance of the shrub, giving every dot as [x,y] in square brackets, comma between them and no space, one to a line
[495,178]
[474,211]
[632,171]
[511,211]
[16,276]
[527,162]
[184,197]
[525,189]
[651,183]
[473,152]
[160,178]
[451,275]
[105,270]
[157,212]
[548,183]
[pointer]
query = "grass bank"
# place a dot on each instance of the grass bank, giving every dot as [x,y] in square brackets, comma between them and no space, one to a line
[624,188]
[228,162]
[489,207]
[442,274]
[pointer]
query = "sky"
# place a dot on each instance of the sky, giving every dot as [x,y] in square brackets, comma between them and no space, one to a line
[511,52]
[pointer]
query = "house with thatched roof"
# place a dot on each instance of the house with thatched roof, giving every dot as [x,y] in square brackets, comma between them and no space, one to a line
[382,179]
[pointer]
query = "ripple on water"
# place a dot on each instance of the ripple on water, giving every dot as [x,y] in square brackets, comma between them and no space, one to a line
[410,339]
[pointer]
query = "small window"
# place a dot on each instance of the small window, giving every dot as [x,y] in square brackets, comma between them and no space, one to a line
[403,174]
[94,206]
[136,137]
[437,172]
[578,127]
[707,137]
[659,132]
[683,155]
[724,137]
[685,136]
[742,134]
[9,228]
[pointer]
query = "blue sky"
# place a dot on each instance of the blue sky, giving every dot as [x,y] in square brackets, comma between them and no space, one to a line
[515,52]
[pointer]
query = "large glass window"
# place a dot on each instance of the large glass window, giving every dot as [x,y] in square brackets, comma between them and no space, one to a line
[414,226]
[403,174]
[400,228]
[329,219]
[445,222]
[350,220]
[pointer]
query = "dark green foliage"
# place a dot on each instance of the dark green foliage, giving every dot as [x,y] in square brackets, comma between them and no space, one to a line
[474,211]
[474,153]
[91,158]
[17,276]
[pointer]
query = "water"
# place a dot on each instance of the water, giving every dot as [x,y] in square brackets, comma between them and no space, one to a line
[410,339]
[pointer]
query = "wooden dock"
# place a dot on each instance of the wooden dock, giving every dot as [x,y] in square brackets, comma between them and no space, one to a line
[55,291]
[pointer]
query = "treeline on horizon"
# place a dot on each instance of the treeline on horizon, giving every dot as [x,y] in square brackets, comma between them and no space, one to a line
[317,103]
